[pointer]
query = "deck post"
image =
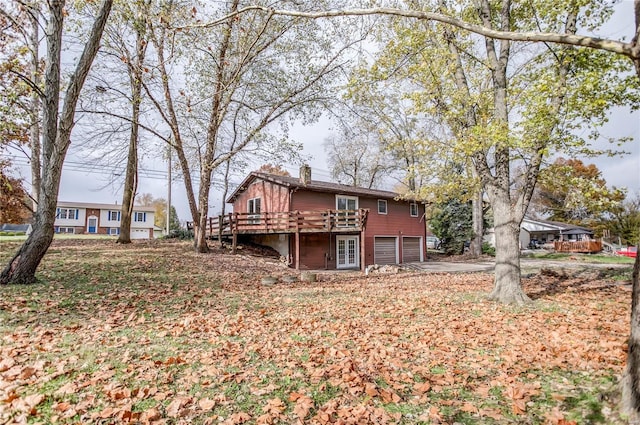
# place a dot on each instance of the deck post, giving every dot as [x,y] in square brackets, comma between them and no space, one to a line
[233,223]
[297,240]
[220,226]
[297,250]
[362,251]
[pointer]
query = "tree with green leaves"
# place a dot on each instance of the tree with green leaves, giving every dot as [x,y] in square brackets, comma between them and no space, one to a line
[451,223]
[625,221]
[57,124]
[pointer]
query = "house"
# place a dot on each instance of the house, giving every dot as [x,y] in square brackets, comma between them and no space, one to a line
[540,232]
[321,225]
[22,229]
[545,231]
[102,219]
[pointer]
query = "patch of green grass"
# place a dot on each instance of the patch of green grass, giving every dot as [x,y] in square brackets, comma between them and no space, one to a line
[586,258]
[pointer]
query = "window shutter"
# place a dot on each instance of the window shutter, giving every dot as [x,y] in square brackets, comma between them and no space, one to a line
[77,214]
[57,212]
[118,215]
[144,217]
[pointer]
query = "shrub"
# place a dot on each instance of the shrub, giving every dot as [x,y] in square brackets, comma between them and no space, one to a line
[182,234]
[488,249]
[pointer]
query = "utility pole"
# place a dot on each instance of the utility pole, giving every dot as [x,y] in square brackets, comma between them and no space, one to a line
[168,216]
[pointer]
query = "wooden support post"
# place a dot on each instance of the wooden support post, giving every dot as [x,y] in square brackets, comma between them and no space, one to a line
[220,227]
[233,224]
[297,242]
[297,250]
[362,251]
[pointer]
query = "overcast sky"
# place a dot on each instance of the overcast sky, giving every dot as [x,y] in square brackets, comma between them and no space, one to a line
[621,171]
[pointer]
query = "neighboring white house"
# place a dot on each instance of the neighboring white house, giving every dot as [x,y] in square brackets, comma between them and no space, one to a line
[544,231]
[103,219]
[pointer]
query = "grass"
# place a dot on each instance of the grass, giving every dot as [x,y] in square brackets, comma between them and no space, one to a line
[154,330]
[585,258]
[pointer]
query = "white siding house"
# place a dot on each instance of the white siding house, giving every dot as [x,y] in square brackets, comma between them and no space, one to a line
[104,219]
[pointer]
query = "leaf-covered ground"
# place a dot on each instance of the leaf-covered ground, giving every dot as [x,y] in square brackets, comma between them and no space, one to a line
[155,333]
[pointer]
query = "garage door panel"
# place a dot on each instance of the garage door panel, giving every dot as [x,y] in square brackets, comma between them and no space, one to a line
[385,250]
[410,250]
[139,234]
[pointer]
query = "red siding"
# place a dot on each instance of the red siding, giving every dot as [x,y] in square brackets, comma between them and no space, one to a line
[315,250]
[273,197]
[397,222]
[306,200]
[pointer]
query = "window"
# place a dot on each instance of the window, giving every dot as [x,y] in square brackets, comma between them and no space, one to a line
[140,216]
[382,206]
[253,209]
[347,211]
[67,213]
[413,209]
[114,215]
[346,202]
[65,229]
[114,231]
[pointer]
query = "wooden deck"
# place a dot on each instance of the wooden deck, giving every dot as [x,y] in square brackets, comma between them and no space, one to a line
[323,221]
[587,247]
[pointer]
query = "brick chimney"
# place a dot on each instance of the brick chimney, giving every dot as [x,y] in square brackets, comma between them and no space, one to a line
[305,174]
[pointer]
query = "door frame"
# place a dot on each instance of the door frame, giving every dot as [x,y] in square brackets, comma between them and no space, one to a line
[92,217]
[346,238]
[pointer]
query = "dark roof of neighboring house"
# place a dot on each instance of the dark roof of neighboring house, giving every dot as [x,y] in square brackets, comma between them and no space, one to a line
[566,228]
[93,205]
[314,185]
[15,227]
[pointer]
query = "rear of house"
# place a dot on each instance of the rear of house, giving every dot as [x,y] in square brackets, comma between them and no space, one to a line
[102,219]
[329,225]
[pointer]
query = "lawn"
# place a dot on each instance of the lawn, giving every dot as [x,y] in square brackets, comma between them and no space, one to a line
[156,333]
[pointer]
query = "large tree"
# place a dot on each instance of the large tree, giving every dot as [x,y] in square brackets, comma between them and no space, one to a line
[57,124]
[251,73]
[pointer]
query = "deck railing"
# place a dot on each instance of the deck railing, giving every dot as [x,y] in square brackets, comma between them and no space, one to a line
[589,246]
[287,222]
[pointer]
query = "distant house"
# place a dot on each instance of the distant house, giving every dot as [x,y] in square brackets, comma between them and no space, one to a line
[545,232]
[102,219]
[322,225]
[24,229]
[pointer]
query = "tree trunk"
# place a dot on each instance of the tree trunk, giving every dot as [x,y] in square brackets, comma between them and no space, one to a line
[34,114]
[478,224]
[507,286]
[200,236]
[631,378]
[135,81]
[130,187]
[56,133]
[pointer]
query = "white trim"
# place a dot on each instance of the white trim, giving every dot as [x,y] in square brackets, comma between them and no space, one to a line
[417,209]
[92,217]
[348,198]
[397,248]
[386,207]
[346,239]
[421,246]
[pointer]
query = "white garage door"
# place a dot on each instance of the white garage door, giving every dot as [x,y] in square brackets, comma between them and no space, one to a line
[410,250]
[385,250]
[139,233]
